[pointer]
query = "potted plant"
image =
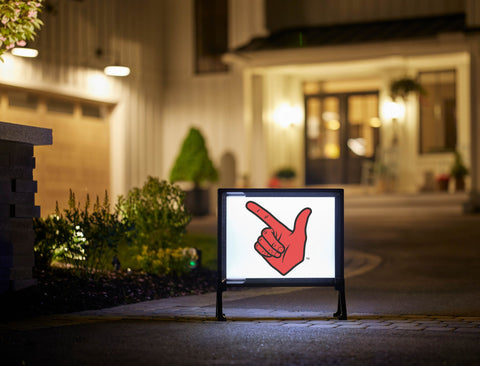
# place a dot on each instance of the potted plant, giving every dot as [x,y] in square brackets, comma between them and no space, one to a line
[442,181]
[194,165]
[403,87]
[459,171]
[283,178]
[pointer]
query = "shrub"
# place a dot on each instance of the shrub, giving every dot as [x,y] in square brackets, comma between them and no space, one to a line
[193,163]
[86,241]
[152,218]
[167,261]
[158,214]
[50,234]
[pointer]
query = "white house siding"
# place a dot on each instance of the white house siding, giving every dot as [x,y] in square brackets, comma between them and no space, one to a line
[246,21]
[128,32]
[211,102]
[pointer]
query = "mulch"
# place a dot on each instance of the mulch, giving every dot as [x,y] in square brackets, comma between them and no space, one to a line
[60,291]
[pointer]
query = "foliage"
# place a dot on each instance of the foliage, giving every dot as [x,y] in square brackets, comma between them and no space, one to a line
[167,261]
[193,163]
[86,241]
[285,173]
[404,86]
[158,214]
[149,222]
[18,23]
[458,169]
[50,234]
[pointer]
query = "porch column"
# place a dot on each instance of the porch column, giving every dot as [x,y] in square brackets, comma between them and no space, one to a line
[473,204]
[257,151]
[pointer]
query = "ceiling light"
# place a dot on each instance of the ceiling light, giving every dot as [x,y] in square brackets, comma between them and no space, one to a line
[117,70]
[24,52]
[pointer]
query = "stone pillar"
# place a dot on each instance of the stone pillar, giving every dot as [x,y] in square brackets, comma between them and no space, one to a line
[17,203]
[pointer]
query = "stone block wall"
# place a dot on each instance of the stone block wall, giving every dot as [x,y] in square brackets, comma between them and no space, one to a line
[17,204]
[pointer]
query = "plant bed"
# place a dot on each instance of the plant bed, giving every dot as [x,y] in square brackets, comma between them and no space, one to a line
[60,291]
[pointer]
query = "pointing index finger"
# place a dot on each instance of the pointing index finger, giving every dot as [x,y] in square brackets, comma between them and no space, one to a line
[266,217]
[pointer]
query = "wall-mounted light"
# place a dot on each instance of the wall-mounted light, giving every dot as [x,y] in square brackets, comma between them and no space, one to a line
[286,115]
[393,110]
[24,52]
[113,68]
[116,70]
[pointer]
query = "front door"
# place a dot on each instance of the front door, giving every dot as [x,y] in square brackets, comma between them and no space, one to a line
[341,134]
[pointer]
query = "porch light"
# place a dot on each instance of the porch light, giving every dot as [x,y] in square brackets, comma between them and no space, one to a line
[24,52]
[393,110]
[286,115]
[117,70]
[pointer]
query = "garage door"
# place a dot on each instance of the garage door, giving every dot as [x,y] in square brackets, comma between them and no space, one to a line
[79,158]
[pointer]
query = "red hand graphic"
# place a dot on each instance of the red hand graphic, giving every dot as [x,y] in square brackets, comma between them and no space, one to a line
[282,248]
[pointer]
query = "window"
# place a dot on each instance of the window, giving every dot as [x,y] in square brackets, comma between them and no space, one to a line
[93,110]
[211,35]
[438,125]
[22,99]
[60,106]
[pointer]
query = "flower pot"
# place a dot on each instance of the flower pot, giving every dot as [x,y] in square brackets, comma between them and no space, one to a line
[197,201]
[459,184]
[442,185]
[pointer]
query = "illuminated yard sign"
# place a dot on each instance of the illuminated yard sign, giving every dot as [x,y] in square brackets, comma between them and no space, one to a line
[280,237]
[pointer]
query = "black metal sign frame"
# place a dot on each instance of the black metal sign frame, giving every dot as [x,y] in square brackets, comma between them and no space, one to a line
[337,281]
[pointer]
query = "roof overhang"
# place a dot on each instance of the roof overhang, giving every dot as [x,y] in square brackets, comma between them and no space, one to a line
[446,40]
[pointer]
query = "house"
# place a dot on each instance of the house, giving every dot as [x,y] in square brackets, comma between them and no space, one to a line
[303,84]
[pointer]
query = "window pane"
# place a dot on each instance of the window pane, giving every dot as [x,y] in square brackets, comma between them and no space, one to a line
[92,110]
[22,99]
[60,106]
[323,128]
[362,114]
[438,126]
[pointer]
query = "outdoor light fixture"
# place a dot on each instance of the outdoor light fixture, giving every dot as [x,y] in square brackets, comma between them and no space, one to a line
[115,68]
[393,110]
[24,52]
[195,260]
[117,71]
[286,115]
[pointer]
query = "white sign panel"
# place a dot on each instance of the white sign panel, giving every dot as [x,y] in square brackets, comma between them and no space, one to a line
[279,237]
